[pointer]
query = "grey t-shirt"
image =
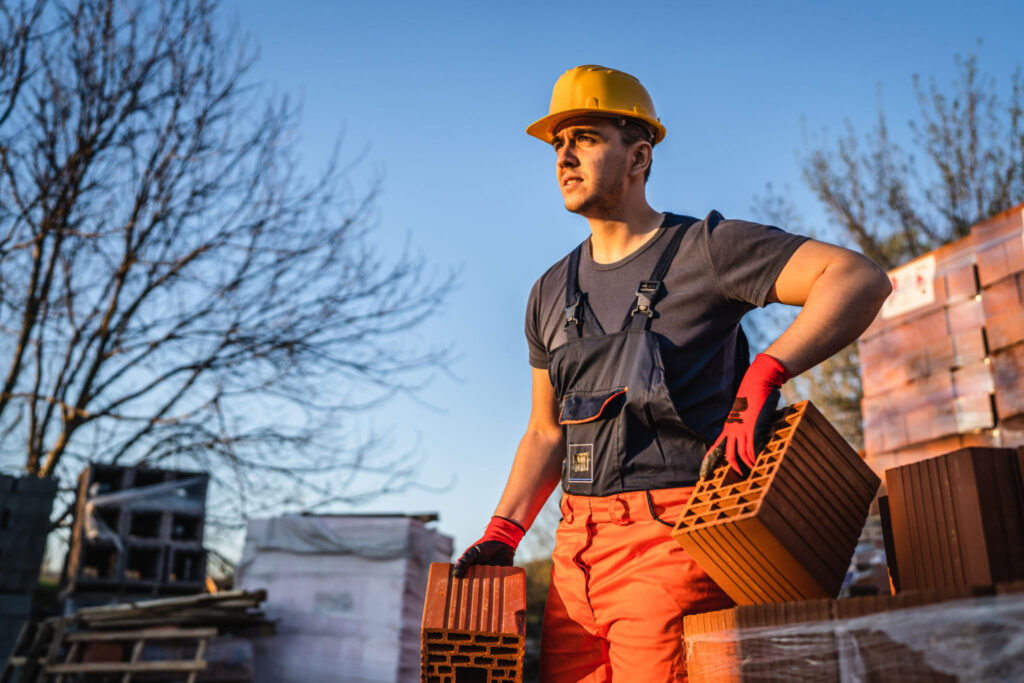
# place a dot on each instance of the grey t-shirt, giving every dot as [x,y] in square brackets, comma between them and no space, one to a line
[723,269]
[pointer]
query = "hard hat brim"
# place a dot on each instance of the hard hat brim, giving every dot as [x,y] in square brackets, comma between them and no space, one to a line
[543,129]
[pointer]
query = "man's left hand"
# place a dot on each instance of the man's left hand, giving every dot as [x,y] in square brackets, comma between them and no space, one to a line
[746,428]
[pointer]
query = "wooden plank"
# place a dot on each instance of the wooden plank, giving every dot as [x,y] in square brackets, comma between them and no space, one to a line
[68,659]
[205,600]
[122,667]
[146,634]
[140,645]
[200,653]
[14,661]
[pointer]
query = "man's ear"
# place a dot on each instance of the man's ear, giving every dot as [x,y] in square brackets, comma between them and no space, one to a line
[641,158]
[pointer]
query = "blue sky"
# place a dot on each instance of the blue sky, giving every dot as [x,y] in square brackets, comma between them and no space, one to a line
[436,96]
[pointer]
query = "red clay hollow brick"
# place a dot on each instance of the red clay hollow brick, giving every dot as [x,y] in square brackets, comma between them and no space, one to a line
[474,628]
[797,640]
[788,531]
[721,648]
[958,519]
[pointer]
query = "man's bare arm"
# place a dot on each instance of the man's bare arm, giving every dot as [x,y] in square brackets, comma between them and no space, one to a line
[538,463]
[840,292]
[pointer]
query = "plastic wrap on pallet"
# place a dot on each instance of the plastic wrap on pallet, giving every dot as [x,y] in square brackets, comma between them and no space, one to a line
[977,639]
[346,593]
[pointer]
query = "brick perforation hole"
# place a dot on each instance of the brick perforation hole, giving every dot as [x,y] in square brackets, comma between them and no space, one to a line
[452,657]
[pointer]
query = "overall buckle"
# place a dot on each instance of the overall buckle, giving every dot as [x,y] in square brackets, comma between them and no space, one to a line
[571,312]
[645,295]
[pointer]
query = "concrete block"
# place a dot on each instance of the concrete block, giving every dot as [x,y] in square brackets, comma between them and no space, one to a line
[788,531]
[162,540]
[474,628]
[25,504]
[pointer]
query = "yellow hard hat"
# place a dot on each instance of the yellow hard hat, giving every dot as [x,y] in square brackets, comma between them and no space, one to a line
[597,90]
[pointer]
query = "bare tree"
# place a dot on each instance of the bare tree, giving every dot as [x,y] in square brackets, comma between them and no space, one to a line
[965,164]
[172,291]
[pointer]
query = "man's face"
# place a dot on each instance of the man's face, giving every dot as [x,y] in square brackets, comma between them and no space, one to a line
[591,166]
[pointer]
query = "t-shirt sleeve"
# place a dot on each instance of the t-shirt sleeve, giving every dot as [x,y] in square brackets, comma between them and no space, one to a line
[746,258]
[534,339]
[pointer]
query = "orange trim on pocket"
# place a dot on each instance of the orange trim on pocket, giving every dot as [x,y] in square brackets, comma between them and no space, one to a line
[596,415]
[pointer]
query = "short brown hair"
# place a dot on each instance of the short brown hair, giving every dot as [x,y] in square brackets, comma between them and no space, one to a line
[632,131]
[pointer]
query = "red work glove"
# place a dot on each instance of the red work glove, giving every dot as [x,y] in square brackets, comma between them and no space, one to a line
[496,547]
[753,412]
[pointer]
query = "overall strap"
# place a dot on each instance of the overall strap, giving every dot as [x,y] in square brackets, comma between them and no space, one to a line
[648,291]
[573,297]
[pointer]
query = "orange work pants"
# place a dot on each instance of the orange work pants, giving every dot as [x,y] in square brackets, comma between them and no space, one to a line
[620,586]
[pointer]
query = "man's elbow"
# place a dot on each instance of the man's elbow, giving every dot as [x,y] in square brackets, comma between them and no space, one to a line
[877,286]
[867,287]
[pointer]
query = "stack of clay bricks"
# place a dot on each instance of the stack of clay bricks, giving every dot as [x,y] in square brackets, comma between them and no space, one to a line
[786,532]
[824,640]
[150,545]
[957,519]
[954,533]
[941,363]
[999,245]
[25,504]
[474,628]
[721,647]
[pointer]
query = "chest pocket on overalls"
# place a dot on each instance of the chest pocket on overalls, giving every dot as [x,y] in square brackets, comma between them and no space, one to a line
[622,429]
[594,430]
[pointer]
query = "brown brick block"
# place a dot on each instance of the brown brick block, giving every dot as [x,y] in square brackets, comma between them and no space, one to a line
[1003,302]
[958,519]
[999,246]
[768,643]
[721,648]
[905,455]
[474,628]
[788,531]
[886,659]
[1005,329]
[965,316]
[954,281]
[1007,371]
[975,378]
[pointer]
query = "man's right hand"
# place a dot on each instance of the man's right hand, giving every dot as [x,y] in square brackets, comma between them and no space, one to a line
[496,547]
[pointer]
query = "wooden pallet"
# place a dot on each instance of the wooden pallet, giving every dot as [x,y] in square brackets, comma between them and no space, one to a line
[43,661]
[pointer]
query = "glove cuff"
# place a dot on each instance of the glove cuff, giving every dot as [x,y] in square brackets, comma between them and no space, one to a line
[769,369]
[504,530]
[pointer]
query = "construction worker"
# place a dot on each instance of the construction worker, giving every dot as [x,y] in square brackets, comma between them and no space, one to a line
[640,370]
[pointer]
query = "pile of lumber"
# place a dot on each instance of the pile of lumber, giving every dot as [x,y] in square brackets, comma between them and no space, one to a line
[230,612]
[198,638]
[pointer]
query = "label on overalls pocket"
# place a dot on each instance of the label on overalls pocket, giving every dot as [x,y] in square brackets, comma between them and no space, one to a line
[581,462]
